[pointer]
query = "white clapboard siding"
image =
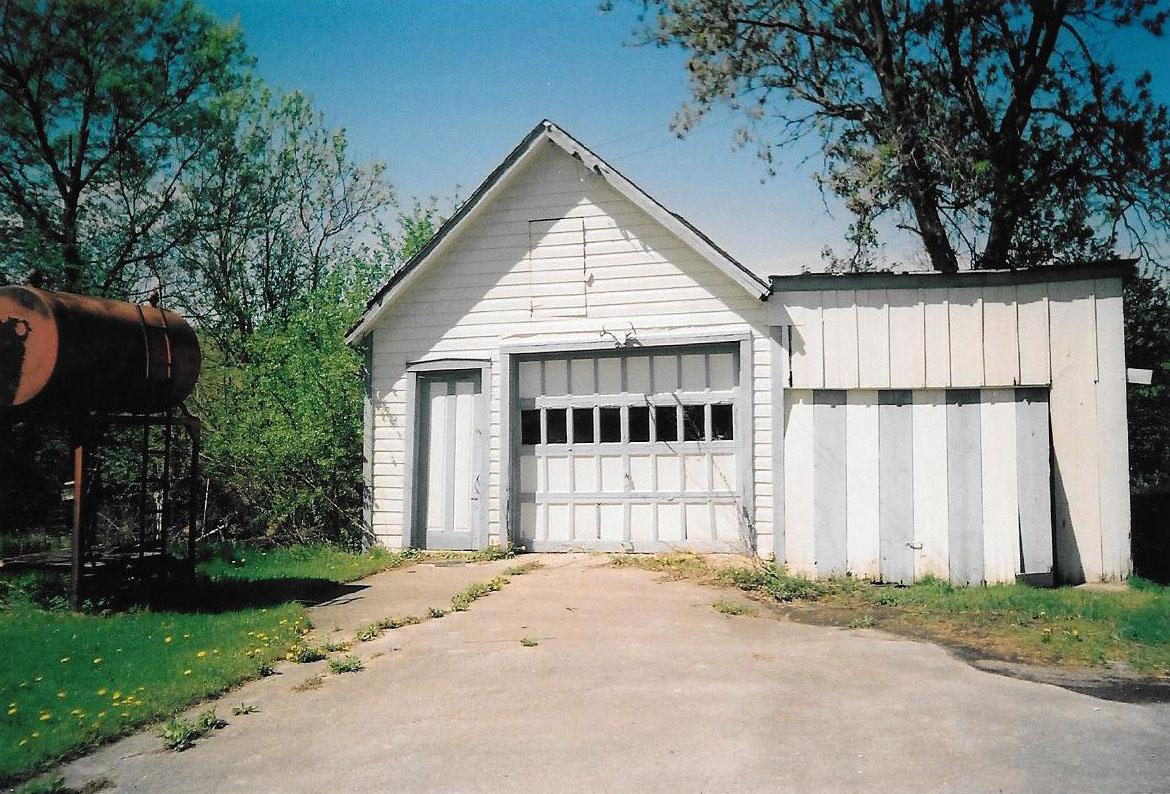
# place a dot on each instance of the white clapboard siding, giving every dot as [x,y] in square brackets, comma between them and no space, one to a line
[498,281]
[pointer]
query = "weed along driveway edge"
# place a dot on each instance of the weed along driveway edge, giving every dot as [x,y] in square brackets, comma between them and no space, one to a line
[582,676]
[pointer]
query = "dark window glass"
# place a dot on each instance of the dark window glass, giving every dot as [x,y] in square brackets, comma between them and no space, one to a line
[611,425]
[665,423]
[639,423]
[693,423]
[530,426]
[722,425]
[555,426]
[582,425]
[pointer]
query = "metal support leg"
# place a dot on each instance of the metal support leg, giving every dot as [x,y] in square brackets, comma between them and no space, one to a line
[78,516]
[193,493]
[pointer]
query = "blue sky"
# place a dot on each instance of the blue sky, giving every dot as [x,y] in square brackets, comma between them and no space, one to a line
[441,91]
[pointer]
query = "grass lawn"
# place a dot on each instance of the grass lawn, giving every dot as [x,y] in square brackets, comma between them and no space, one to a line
[250,563]
[71,681]
[1127,627]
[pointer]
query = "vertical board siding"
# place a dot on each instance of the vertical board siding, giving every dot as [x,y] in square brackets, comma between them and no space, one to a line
[829,482]
[930,484]
[964,487]
[873,339]
[1034,480]
[1001,533]
[806,347]
[840,339]
[861,479]
[937,331]
[907,339]
[965,306]
[1113,482]
[799,551]
[896,485]
[1073,403]
[1064,337]
[1032,324]
[1001,349]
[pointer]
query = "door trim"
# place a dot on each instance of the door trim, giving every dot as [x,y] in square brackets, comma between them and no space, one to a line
[413,535]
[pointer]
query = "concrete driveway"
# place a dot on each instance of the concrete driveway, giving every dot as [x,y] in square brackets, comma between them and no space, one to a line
[638,685]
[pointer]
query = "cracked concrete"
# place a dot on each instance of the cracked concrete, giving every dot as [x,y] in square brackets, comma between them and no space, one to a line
[638,685]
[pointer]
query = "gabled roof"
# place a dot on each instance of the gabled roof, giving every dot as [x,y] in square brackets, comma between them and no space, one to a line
[547,131]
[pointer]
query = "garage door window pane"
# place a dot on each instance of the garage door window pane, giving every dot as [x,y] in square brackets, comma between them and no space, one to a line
[665,423]
[582,425]
[530,427]
[556,426]
[639,423]
[611,425]
[693,423]
[722,426]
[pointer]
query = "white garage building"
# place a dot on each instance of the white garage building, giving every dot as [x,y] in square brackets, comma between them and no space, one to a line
[569,365]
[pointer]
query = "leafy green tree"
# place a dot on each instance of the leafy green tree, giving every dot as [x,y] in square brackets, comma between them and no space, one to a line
[284,416]
[275,204]
[1147,343]
[103,104]
[994,130]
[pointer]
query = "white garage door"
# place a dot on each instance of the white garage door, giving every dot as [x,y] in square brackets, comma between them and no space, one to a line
[631,450]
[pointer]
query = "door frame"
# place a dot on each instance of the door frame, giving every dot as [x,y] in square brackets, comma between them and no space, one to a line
[414,534]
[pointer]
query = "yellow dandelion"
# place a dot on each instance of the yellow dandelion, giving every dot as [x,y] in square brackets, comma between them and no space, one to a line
[215,650]
[125,713]
[141,689]
[187,671]
[101,714]
[167,639]
[11,710]
[116,694]
[64,659]
[62,694]
[186,636]
[36,734]
[102,692]
[39,678]
[46,717]
[98,660]
[23,742]
[201,654]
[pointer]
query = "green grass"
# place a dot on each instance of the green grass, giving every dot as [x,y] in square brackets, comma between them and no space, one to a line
[78,680]
[1060,626]
[728,607]
[251,563]
[346,664]
[186,640]
[476,590]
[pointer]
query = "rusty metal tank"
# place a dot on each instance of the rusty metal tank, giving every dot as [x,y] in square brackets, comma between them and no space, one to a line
[64,352]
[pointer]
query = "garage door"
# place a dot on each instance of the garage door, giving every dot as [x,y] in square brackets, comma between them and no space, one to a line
[630,450]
